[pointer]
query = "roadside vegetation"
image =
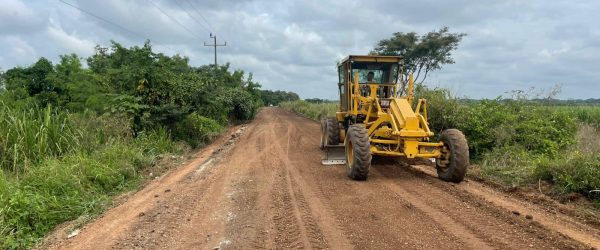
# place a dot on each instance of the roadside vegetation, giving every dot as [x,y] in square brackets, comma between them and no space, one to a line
[74,137]
[273,98]
[517,141]
[312,110]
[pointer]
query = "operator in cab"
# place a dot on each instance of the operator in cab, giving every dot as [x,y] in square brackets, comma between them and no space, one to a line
[365,89]
[370,76]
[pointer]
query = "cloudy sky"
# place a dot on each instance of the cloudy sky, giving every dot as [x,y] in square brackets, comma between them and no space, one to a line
[294,45]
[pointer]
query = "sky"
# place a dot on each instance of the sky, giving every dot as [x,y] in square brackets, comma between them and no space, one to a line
[295,45]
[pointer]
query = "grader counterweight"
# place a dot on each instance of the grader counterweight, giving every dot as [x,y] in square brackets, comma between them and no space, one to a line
[376,117]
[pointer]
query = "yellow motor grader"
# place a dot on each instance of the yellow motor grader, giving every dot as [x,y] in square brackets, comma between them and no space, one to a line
[376,117]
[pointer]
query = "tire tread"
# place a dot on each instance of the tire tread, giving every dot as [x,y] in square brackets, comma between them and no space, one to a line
[361,163]
[459,156]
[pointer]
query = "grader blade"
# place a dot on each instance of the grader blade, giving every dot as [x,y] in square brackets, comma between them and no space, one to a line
[334,155]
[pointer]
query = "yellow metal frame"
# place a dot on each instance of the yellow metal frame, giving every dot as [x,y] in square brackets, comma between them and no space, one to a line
[397,130]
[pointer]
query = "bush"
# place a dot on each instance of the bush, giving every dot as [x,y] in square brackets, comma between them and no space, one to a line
[243,104]
[197,130]
[576,173]
[577,168]
[230,105]
[489,124]
[443,110]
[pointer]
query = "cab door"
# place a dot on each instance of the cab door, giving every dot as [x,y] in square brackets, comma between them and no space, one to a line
[342,88]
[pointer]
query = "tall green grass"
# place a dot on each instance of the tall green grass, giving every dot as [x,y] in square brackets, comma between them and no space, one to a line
[28,136]
[315,111]
[585,114]
[58,166]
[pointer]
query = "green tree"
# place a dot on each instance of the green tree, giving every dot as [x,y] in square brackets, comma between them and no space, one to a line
[80,85]
[270,97]
[420,54]
[34,81]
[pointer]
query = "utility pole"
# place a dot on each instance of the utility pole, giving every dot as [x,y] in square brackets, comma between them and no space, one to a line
[215,46]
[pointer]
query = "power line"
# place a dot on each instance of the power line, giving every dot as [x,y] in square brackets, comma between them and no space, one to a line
[191,16]
[173,19]
[114,24]
[213,30]
[200,14]
[92,14]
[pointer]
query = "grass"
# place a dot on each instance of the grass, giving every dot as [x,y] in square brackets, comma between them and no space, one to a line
[58,166]
[585,114]
[315,111]
[30,135]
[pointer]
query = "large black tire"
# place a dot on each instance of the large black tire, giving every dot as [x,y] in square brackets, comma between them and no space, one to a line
[330,132]
[358,152]
[452,166]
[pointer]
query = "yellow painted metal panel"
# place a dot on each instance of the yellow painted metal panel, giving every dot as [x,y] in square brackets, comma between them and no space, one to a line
[411,148]
[375,151]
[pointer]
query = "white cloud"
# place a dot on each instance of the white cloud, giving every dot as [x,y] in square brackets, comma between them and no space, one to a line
[14,9]
[69,42]
[17,17]
[294,33]
[294,45]
[18,50]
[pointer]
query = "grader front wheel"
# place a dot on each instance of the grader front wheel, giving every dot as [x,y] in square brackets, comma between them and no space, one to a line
[330,132]
[452,166]
[358,152]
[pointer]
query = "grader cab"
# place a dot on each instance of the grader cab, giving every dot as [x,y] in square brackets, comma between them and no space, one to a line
[376,117]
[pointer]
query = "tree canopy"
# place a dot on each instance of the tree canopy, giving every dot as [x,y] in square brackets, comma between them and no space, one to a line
[421,54]
[270,97]
[153,89]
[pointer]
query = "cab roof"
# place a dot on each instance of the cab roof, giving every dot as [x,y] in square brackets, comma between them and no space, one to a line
[367,58]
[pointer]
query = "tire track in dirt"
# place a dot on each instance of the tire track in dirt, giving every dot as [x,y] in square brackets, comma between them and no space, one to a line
[470,239]
[292,222]
[315,213]
[468,215]
[289,231]
[246,210]
[295,224]
[562,224]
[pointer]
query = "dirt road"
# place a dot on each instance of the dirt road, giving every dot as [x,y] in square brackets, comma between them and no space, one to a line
[266,188]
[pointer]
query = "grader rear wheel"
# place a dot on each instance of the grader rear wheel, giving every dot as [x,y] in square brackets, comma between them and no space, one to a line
[358,152]
[452,166]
